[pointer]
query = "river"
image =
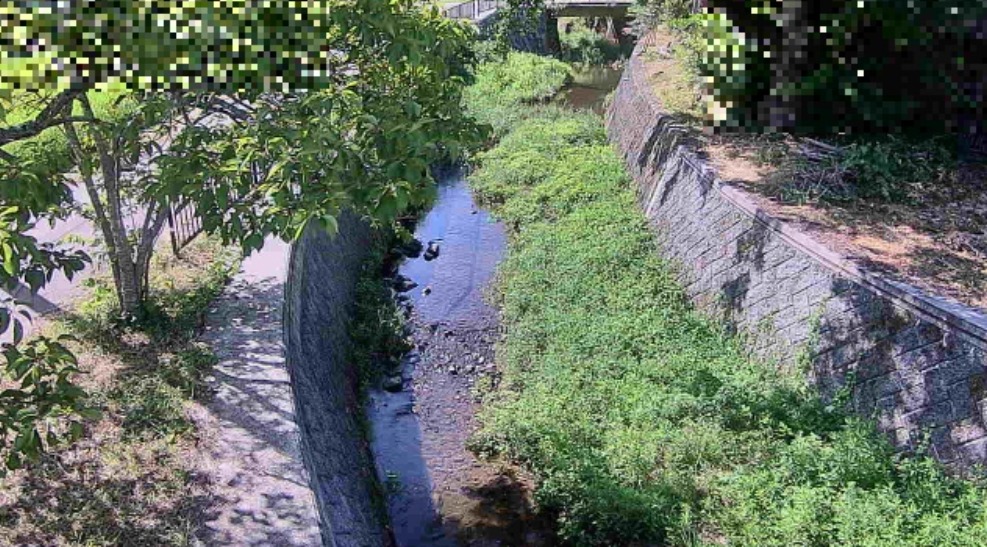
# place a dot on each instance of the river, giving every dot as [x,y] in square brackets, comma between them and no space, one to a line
[439,493]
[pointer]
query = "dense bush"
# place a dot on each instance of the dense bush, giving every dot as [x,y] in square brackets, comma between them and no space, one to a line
[647,14]
[847,65]
[642,421]
[503,88]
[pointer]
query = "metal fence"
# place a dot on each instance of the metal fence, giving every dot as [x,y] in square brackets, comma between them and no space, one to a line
[184,225]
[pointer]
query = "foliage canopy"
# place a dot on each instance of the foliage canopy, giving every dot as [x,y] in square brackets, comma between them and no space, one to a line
[262,115]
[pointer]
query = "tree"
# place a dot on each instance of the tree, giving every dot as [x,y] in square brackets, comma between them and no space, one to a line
[264,115]
[334,105]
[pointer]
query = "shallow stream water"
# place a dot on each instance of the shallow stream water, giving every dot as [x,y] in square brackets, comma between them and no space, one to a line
[439,493]
[419,434]
[590,87]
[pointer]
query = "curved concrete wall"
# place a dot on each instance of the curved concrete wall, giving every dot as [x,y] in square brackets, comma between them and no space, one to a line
[319,294]
[917,363]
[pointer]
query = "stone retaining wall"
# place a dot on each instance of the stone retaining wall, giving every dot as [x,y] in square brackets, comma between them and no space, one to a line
[318,300]
[915,362]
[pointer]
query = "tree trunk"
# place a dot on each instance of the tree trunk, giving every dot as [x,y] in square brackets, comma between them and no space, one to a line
[129,281]
[129,257]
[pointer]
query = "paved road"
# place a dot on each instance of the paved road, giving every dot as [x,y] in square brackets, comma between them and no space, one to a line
[250,447]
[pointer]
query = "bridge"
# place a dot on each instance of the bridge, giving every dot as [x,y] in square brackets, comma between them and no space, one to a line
[478,10]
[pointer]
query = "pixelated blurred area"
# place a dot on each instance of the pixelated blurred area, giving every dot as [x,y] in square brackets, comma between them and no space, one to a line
[220,46]
[836,66]
[861,121]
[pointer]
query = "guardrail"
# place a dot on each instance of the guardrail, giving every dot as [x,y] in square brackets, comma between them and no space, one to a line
[473,9]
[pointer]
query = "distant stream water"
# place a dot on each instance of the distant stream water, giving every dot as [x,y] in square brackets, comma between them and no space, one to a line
[438,494]
[590,87]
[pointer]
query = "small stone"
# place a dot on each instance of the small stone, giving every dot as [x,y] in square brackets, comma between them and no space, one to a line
[453,371]
[403,284]
[411,249]
[481,359]
[427,291]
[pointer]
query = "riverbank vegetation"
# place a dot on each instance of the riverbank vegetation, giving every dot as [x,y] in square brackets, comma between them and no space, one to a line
[506,88]
[642,420]
[254,142]
[581,44]
[129,479]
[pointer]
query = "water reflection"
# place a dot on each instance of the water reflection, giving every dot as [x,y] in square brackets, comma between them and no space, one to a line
[591,85]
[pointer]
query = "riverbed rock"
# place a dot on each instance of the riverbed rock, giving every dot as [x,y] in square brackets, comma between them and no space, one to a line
[411,249]
[393,384]
[403,284]
[433,251]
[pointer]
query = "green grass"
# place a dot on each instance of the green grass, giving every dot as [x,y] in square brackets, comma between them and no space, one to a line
[502,89]
[131,479]
[643,422]
[377,326]
[50,148]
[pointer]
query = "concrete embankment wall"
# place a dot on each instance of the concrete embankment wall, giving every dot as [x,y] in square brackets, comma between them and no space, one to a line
[915,362]
[319,297]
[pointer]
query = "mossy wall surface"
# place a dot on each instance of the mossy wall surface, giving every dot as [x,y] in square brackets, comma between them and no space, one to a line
[319,298]
[915,362]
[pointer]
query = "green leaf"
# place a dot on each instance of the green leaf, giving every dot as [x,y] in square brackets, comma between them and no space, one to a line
[10,260]
[253,242]
[35,280]
[331,225]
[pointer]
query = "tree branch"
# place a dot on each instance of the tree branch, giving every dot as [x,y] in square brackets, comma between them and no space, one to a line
[58,112]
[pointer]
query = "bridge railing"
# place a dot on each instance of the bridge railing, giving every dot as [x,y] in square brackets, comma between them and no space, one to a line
[473,9]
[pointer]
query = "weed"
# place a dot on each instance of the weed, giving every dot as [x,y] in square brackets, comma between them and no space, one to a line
[503,88]
[580,44]
[886,170]
[377,327]
[643,421]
